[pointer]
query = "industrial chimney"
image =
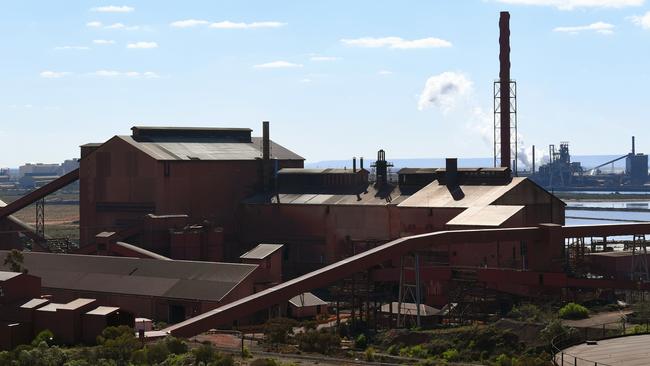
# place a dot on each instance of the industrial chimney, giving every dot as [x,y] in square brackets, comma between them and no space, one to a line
[504,86]
[266,157]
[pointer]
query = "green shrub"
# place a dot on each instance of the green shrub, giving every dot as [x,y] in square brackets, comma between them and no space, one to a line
[322,341]
[43,336]
[157,353]
[361,342]
[139,357]
[451,355]
[117,343]
[175,345]
[393,350]
[278,330]
[369,354]
[503,360]
[204,353]
[573,311]
[526,313]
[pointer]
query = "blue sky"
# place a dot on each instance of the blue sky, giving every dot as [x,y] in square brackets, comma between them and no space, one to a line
[336,78]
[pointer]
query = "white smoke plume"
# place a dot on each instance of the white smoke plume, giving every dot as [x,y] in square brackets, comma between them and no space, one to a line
[444,91]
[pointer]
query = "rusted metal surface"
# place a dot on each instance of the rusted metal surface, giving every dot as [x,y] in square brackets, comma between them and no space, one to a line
[544,235]
[39,193]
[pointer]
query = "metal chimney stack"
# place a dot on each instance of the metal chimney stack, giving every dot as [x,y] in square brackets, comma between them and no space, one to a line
[266,144]
[504,86]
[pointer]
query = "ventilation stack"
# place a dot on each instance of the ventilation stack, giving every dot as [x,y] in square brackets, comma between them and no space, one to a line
[504,87]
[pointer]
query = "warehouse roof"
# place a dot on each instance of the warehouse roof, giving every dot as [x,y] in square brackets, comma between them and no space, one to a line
[417,171]
[372,196]
[199,148]
[72,305]
[306,299]
[435,195]
[317,171]
[5,275]
[493,215]
[103,310]
[137,276]
[261,251]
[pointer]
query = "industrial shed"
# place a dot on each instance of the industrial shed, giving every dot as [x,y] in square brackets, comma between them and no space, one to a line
[158,289]
[203,173]
[306,305]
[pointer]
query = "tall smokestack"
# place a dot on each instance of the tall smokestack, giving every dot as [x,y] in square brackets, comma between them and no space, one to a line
[633,148]
[361,163]
[266,144]
[533,171]
[504,86]
[354,164]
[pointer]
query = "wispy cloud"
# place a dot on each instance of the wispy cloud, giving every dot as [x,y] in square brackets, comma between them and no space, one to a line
[113,9]
[83,48]
[254,25]
[188,23]
[444,90]
[128,74]
[598,27]
[47,74]
[94,24]
[103,41]
[384,72]
[396,42]
[324,58]
[142,45]
[122,26]
[642,21]
[574,4]
[305,81]
[277,65]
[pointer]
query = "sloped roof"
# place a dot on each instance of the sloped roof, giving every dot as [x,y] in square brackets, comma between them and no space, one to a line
[306,299]
[194,280]
[208,149]
[371,196]
[435,195]
[261,251]
[493,215]
[6,275]
[409,308]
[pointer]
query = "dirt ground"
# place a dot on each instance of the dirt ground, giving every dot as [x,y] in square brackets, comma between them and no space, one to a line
[61,220]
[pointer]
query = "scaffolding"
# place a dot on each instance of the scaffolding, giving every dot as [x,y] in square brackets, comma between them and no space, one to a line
[409,292]
[40,217]
[513,124]
[639,247]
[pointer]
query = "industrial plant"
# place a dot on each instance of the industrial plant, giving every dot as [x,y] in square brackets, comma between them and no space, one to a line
[207,228]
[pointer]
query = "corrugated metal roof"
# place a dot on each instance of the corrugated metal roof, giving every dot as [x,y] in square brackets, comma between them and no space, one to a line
[492,215]
[72,305]
[409,308]
[137,276]
[306,299]
[261,251]
[417,171]
[435,195]
[371,197]
[34,303]
[209,149]
[103,310]
[8,275]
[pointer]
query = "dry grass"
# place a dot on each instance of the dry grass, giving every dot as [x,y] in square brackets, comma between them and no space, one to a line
[61,220]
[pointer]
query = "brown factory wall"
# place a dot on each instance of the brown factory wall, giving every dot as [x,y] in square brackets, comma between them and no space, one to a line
[119,174]
[541,206]
[23,286]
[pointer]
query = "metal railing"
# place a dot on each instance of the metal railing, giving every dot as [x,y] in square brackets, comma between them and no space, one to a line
[576,336]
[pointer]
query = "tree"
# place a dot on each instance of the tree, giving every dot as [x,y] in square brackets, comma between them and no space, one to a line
[117,343]
[278,330]
[15,261]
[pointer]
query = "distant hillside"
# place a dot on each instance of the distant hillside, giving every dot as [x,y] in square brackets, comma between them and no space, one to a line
[588,161]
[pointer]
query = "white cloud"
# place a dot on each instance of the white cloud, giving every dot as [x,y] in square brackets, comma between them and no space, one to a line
[113,9]
[94,24]
[444,90]
[324,58]
[188,23]
[142,45]
[122,26]
[642,21]
[305,80]
[384,72]
[150,75]
[599,27]
[254,25]
[53,74]
[277,65]
[396,42]
[59,48]
[573,4]
[103,41]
